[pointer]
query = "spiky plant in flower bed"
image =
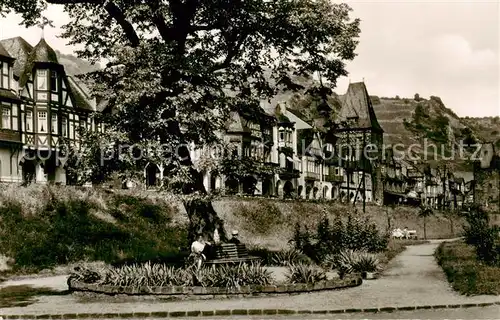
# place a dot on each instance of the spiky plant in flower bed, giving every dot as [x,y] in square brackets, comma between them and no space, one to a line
[145,275]
[305,273]
[148,275]
[349,261]
[287,257]
[234,276]
[365,262]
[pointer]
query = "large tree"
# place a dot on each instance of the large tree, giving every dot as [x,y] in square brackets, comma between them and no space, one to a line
[175,69]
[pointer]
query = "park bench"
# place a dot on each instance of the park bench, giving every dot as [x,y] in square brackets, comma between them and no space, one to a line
[231,253]
[412,234]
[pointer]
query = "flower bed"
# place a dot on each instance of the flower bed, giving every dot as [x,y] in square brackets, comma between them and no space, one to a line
[350,281]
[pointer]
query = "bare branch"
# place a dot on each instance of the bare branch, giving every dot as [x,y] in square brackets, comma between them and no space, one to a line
[114,11]
[159,21]
[232,51]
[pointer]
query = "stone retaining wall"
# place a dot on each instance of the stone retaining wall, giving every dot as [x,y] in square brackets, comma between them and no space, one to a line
[173,291]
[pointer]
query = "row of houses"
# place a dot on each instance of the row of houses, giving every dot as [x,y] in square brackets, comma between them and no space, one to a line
[309,159]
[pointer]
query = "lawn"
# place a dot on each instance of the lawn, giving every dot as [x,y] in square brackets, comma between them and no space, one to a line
[466,274]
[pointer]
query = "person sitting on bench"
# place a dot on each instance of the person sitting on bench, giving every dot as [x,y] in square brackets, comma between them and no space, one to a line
[234,239]
[199,250]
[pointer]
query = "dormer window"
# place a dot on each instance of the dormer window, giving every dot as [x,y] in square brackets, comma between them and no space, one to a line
[53,81]
[5,75]
[41,79]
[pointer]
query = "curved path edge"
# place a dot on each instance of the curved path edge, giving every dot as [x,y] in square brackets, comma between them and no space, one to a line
[239,312]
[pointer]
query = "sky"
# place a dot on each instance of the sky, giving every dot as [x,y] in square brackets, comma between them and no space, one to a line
[447,48]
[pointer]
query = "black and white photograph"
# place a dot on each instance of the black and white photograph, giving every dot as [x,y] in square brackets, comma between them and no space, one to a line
[249,159]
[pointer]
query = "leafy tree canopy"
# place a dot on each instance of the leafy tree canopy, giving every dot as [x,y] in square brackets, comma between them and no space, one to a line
[175,69]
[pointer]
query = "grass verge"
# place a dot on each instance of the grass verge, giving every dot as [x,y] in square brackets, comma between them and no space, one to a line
[465,273]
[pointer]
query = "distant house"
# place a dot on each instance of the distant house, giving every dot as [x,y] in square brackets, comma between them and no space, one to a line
[356,128]
[487,178]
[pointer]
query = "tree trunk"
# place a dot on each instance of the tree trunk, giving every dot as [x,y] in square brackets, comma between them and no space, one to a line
[203,220]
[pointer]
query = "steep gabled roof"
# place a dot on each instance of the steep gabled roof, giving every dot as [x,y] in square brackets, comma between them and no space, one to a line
[357,109]
[19,49]
[235,123]
[4,53]
[81,94]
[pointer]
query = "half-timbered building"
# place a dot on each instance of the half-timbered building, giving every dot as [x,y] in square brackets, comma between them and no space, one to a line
[41,107]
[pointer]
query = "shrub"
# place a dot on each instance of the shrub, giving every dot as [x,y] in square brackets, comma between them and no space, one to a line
[305,273]
[332,238]
[464,272]
[479,234]
[349,261]
[365,262]
[70,225]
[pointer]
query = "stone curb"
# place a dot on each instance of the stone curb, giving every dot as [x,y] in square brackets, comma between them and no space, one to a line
[347,282]
[239,312]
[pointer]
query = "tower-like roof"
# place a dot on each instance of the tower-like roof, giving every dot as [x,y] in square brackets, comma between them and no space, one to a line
[357,109]
[43,53]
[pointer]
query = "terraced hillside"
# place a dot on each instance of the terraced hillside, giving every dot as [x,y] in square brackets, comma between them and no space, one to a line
[488,128]
[391,115]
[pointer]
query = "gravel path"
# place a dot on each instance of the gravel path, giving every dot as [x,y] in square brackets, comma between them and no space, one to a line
[412,278]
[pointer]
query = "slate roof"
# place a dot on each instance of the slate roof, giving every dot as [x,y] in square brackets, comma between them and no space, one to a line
[26,56]
[235,124]
[81,94]
[357,109]
[43,53]
[4,53]
[19,49]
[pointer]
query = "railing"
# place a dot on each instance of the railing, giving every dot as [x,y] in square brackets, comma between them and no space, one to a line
[333,178]
[287,174]
[311,175]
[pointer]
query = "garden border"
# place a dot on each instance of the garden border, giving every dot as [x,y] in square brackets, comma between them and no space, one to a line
[349,281]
